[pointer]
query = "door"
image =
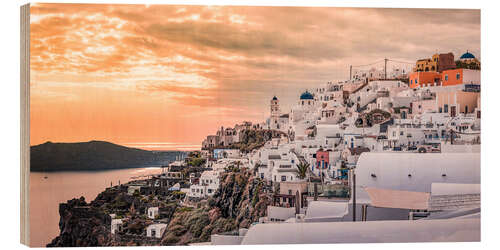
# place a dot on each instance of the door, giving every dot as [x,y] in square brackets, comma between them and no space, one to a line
[453,111]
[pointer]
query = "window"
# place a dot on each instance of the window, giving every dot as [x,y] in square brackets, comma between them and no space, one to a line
[401,133]
[440,110]
[283,178]
[262,175]
[446,108]
[446,77]
[458,76]
[416,81]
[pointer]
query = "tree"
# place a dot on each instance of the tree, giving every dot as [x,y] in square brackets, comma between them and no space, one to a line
[196,162]
[303,170]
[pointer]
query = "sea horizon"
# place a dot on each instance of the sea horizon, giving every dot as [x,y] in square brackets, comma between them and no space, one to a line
[164,146]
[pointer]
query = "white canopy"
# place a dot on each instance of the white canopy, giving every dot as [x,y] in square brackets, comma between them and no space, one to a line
[455,230]
[326,211]
[414,172]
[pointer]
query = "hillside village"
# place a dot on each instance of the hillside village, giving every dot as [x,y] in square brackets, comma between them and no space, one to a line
[382,146]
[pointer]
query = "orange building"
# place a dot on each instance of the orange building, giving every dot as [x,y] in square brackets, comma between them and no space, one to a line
[460,76]
[430,78]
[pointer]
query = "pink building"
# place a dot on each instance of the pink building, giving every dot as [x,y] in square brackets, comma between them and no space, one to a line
[322,159]
[451,102]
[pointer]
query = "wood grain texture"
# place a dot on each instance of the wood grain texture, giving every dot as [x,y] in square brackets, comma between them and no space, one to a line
[25,122]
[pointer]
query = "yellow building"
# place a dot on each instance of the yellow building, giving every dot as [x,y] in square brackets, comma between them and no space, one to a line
[437,63]
[428,64]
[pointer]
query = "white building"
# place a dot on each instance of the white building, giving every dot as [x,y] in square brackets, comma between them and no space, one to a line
[304,115]
[405,135]
[116,225]
[277,120]
[156,230]
[153,212]
[209,183]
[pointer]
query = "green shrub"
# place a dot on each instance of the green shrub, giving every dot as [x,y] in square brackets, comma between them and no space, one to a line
[184,209]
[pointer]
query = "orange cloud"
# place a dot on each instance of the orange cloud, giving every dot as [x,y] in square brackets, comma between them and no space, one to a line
[131,73]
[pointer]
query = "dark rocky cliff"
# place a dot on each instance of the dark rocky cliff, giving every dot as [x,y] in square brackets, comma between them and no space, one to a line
[238,202]
[82,225]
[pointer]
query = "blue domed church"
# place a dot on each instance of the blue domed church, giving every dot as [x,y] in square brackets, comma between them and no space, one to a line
[306,99]
[469,61]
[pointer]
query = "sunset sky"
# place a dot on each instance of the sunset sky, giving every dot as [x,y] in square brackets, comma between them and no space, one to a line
[165,76]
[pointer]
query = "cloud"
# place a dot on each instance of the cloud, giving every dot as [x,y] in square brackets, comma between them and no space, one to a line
[233,56]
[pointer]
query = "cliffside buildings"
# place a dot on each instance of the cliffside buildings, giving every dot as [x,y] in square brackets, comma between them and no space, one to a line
[416,121]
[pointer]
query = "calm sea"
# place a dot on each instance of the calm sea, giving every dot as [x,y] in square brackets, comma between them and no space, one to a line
[47,193]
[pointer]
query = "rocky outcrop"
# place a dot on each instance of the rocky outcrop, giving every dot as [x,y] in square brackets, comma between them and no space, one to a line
[88,224]
[237,204]
[82,225]
[240,197]
[251,139]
